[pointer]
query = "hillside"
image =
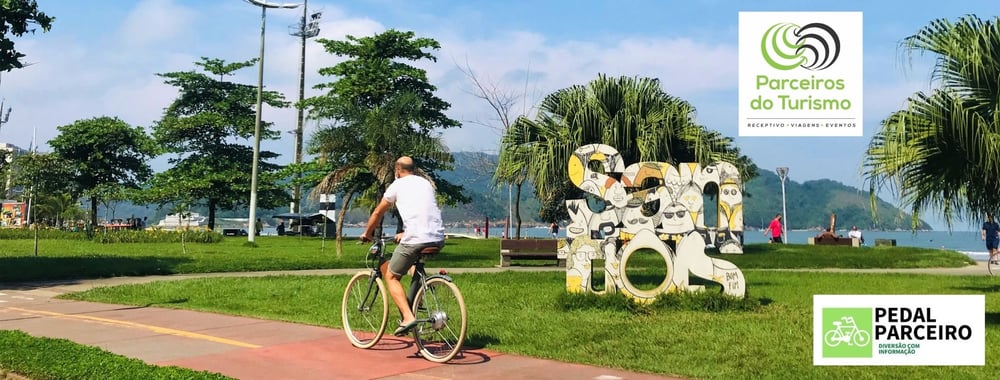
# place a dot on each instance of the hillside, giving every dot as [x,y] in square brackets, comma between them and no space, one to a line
[809,203]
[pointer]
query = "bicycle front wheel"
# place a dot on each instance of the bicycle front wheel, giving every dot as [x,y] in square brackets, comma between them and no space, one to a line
[442,308]
[993,267]
[365,310]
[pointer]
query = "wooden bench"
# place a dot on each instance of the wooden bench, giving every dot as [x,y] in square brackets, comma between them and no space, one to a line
[530,249]
[839,241]
[234,232]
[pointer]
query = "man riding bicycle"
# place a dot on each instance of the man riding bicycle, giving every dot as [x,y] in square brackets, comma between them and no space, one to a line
[415,200]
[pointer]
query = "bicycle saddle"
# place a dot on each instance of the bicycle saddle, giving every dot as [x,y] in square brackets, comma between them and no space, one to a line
[430,250]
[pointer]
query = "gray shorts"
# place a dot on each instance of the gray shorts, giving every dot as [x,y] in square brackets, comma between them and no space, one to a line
[405,255]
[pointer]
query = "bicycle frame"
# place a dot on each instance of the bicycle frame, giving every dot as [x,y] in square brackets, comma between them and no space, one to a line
[418,281]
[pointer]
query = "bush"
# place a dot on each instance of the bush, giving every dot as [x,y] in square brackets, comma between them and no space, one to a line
[43,233]
[677,301]
[157,236]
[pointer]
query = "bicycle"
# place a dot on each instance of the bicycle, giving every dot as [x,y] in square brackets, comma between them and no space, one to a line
[846,331]
[435,301]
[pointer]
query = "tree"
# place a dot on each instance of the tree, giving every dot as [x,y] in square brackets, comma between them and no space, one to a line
[104,153]
[45,178]
[502,102]
[942,151]
[380,108]
[203,127]
[18,17]
[634,115]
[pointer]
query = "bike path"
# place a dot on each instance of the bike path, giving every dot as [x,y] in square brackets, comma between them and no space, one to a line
[249,348]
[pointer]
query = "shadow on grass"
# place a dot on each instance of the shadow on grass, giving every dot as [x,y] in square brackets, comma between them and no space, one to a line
[175,301]
[992,318]
[479,341]
[14,270]
[981,289]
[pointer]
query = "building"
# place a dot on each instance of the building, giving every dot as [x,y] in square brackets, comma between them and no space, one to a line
[14,214]
[10,151]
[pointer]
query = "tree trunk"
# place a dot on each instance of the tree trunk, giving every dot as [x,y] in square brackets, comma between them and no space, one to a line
[517,212]
[340,219]
[211,213]
[93,211]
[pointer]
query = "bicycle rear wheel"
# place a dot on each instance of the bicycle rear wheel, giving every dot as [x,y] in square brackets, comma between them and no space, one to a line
[442,306]
[364,310]
[993,266]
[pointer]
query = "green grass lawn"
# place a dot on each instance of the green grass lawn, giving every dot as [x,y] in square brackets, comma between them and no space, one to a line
[813,256]
[527,313]
[73,259]
[65,259]
[56,359]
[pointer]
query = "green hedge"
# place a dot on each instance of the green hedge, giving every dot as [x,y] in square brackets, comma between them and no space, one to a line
[115,236]
[43,233]
[157,236]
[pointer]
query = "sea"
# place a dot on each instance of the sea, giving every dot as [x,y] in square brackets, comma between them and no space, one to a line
[967,242]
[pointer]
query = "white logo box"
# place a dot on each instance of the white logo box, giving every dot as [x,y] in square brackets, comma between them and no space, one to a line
[847,68]
[958,310]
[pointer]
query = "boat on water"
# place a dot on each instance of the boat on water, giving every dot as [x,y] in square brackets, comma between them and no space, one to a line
[183,220]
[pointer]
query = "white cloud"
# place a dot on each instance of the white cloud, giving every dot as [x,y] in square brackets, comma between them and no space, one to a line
[685,67]
[156,21]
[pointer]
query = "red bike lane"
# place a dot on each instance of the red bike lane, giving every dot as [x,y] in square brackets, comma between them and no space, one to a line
[248,348]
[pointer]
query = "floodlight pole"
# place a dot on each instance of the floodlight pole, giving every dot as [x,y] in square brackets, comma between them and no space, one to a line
[252,221]
[783,175]
[304,30]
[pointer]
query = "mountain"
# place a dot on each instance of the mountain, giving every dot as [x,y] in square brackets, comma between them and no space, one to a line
[809,204]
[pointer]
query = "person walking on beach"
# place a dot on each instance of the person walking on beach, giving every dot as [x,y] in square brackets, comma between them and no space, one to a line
[554,228]
[775,229]
[990,234]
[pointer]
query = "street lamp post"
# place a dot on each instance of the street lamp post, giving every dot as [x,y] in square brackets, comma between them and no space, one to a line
[305,29]
[251,222]
[783,175]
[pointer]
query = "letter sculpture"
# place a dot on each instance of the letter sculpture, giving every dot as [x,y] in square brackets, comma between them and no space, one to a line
[632,220]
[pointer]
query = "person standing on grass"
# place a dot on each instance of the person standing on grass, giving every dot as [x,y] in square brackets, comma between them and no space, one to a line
[775,229]
[990,235]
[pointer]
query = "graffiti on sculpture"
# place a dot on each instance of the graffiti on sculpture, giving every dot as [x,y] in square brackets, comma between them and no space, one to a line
[657,207]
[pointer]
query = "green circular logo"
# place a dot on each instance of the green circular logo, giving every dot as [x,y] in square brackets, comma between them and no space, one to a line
[786,46]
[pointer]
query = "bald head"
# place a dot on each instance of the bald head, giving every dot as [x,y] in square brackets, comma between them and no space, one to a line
[405,164]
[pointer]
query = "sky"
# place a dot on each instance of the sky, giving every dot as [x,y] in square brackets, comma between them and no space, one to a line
[101,57]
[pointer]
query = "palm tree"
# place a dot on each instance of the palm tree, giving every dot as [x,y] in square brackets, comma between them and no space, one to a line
[942,151]
[362,149]
[634,115]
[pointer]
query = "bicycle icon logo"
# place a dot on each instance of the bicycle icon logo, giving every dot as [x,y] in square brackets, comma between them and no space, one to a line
[846,331]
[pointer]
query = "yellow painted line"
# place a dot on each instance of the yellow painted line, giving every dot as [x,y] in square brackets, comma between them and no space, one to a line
[156,329]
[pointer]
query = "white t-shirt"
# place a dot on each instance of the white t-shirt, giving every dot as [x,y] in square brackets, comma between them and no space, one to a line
[854,234]
[414,198]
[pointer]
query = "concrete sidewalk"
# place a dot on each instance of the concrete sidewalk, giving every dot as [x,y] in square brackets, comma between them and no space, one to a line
[247,348]
[979,269]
